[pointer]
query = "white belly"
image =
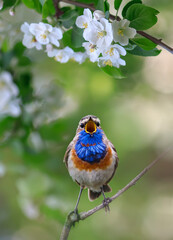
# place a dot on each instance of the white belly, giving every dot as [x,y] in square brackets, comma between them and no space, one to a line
[93,179]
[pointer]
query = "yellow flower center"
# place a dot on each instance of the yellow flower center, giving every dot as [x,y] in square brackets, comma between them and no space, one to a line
[121,32]
[85,25]
[58,57]
[108,63]
[34,39]
[101,34]
[43,36]
[2,84]
[110,52]
[92,50]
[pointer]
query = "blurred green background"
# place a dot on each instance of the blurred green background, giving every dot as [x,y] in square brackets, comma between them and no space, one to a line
[36,191]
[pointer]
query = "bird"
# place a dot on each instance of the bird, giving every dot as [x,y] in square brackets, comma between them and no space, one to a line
[91,160]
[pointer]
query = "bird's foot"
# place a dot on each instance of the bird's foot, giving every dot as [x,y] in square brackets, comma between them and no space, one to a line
[74,216]
[106,202]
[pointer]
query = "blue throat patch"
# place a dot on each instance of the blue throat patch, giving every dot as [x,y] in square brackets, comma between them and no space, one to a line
[90,148]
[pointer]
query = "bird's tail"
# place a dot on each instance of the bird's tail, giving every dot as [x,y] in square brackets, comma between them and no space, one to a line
[94,195]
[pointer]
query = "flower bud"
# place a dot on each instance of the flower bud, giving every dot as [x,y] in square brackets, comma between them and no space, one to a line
[12,11]
[98,14]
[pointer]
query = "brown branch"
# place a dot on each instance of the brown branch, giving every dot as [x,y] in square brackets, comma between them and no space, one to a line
[72,217]
[144,34]
[156,41]
[58,12]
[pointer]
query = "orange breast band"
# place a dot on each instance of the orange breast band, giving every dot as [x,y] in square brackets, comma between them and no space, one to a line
[82,165]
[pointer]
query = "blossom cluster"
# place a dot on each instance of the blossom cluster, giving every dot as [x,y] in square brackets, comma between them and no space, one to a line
[42,34]
[104,41]
[9,102]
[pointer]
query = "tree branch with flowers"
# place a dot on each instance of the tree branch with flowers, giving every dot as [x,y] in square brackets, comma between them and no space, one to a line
[93,33]
[100,36]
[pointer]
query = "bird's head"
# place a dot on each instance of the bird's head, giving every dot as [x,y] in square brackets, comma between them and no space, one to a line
[89,123]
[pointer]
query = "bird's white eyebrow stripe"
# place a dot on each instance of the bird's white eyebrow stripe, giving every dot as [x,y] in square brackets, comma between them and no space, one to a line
[88,116]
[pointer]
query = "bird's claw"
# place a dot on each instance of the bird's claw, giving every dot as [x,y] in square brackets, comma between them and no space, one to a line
[74,216]
[106,202]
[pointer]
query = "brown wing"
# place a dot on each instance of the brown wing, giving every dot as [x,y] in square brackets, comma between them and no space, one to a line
[69,148]
[116,163]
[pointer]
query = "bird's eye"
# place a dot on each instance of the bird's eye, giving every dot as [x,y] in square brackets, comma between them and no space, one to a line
[98,124]
[82,125]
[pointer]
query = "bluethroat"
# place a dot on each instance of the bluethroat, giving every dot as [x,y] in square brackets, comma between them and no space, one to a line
[91,159]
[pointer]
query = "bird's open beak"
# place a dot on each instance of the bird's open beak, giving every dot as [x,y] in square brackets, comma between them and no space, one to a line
[90,127]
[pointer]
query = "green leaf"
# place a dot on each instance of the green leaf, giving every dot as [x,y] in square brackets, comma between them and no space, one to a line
[24,61]
[77,37]
[8,3]
[128,5]
[68,18]
[6,124]
[5,45]
[67,38]
[130,46]
[106,6]
[145,53]
[144,43]
[67,41]
[141,16]
[38,6]
[48,9]
[34,4]
[113,71]
[100,5]
[6,59]
[19,49]
[117,4]
[29,3]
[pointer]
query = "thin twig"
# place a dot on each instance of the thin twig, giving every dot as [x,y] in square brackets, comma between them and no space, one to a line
[156,41]
[72,217]
[58,12]
[144,34]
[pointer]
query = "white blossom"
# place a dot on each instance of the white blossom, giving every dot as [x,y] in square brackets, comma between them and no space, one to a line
[9,103]
[64,55]
[45,33]
[98,14]
[99,33]
[29,39]
[79,57]
[92,51]
[122,32]
[84,20]
[51,51]
[111,56]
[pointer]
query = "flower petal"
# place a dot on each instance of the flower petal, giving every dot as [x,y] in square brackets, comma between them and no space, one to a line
[82,22]
[88,14]
[130,32]
[25,27]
